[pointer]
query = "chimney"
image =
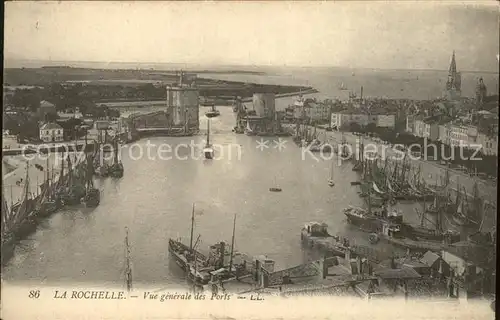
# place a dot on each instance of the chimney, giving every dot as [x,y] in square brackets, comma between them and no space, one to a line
[359,264]
[361,98]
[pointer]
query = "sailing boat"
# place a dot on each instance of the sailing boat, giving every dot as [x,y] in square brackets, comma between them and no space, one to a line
[331,183]
[212,113]
[7,239]
[276,188]
[24,221]
[208,151]
[116,169]
[92,196]
[183,254]
[128,269]
[342,86]
[45,206]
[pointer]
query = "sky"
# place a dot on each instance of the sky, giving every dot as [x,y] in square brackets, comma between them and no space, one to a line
[402,35]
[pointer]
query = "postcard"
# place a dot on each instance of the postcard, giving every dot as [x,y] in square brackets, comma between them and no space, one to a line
[249,160]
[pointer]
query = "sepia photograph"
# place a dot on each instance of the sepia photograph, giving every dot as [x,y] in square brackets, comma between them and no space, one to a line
[249,160]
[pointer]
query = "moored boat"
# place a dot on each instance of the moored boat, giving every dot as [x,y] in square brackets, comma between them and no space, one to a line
[208,150]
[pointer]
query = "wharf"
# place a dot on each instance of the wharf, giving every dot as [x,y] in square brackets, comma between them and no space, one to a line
[49,148]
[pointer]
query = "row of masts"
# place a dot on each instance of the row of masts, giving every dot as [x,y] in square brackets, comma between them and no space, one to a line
[389,178]
[28,207]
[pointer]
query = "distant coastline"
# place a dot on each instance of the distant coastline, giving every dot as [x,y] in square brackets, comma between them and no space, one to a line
[200,68]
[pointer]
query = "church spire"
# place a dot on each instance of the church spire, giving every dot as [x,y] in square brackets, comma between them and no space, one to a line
[453,65]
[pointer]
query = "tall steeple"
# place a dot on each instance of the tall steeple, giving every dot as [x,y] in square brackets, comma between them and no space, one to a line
[453,65]
[454,83]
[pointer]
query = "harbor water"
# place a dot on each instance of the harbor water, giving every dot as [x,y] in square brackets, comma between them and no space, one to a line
[154,200]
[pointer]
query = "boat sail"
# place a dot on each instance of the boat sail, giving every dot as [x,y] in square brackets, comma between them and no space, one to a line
[276,188]
[208,151]
[92,196]
[46,205]
[24,221]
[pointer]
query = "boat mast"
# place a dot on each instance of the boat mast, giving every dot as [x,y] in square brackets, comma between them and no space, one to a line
[128,270]
[232,245]
[208,132]
[192,229]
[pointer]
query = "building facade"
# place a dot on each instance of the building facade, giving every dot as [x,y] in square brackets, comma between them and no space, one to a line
[51,132]
[183,104]
[462,134]
[489,144]
[386,121]
[339,119]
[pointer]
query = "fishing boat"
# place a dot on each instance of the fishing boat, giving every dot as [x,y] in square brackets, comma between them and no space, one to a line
[46,203]
[371,220]
[393,234]
[92,196]
[7,237]
[213,112]
[182,254]
[215,268]
[276,188]
[74,188]
[208,151]
[24,220]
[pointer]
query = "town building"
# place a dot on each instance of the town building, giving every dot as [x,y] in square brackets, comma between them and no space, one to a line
[346,117]
[454,82]
[481,92]
[489,144]
[462,133]
[51,132]
[45,109]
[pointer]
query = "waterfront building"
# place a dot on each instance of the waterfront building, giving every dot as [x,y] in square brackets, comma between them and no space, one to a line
[462,133]
[51,132]
[317,112]
[428,127]
[454,82]
[183,104]
[264,104]
[346,117]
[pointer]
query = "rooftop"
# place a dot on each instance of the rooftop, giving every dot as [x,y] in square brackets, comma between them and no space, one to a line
[50,126]
[46,104]
[401,273]
[430,258]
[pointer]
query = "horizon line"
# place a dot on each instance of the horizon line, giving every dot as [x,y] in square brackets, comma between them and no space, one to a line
[217,64]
